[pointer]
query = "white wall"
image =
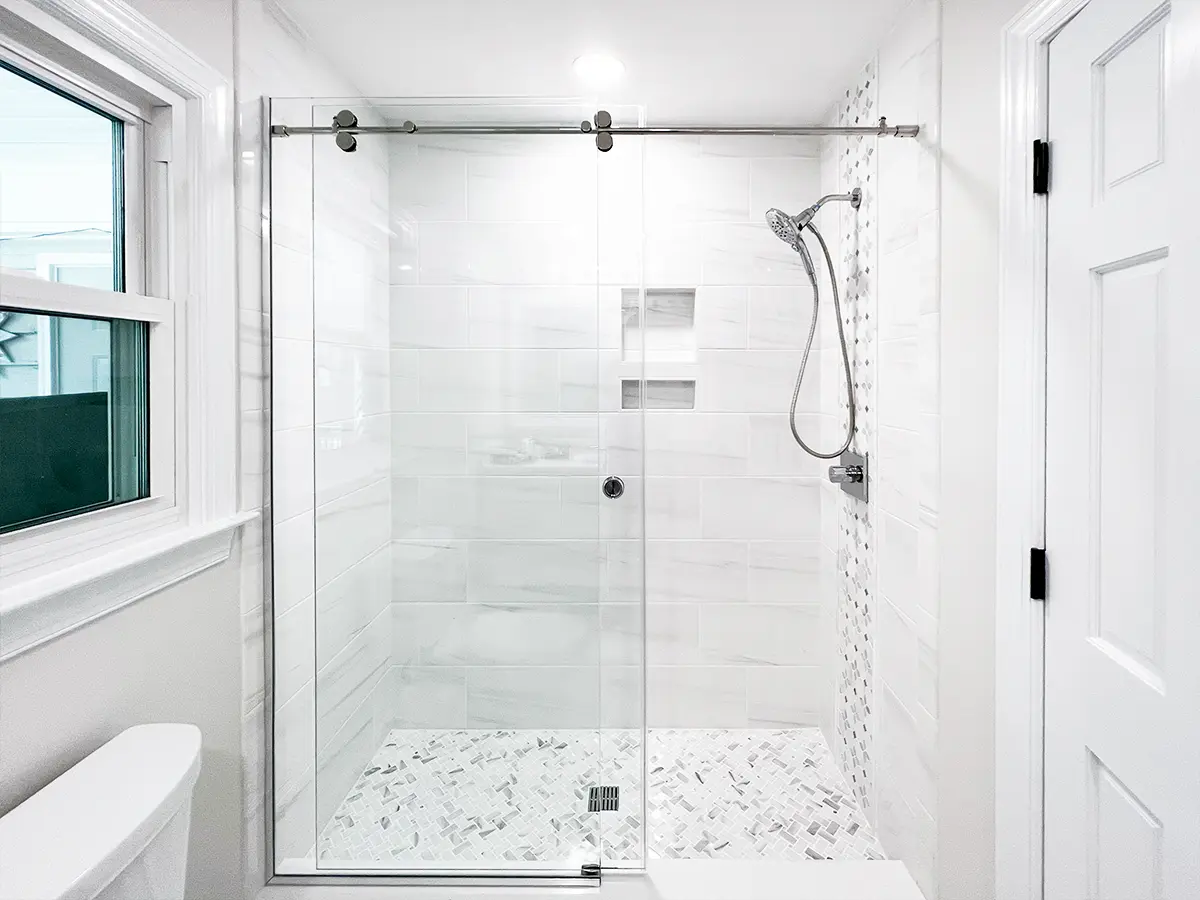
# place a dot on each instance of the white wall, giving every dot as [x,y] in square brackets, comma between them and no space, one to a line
[970,300]
[173,656]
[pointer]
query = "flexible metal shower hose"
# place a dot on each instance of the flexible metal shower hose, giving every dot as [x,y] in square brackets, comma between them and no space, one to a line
[812,330]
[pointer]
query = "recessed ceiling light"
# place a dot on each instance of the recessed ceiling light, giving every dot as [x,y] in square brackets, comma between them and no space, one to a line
[599,69]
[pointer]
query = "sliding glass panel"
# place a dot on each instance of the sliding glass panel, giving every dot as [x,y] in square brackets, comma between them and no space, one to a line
[461,521]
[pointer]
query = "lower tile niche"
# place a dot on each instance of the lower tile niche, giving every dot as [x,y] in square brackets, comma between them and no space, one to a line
[436,798]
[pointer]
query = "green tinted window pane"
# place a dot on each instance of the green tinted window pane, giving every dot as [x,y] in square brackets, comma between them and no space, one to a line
[61,193]
[74,432]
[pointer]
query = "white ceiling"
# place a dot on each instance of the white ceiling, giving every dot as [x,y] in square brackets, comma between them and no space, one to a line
[712,61]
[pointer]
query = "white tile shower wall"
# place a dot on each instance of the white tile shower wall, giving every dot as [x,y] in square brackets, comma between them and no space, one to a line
[331,503]
[886,571]
[732,582]
[498,557]
[516,589]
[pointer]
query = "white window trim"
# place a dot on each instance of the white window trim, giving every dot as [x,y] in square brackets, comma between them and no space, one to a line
[57,577]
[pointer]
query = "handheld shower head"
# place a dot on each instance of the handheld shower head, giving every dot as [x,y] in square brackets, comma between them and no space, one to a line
[788,228]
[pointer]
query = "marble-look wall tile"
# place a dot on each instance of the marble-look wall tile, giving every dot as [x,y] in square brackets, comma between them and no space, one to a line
[351,455]
[531,253]
[721,315]
[761,508]
[760,634]
[292,390]
[292,466]
[350,602]
[672,634]
[351,382]
[428,316]
[294,562]
[784,696]
[520,444]
[295,633]
[747,254]
[491,508]
[340,759]
[489,380]
[427,696]
[533,317]
[425,571]
[429,185]
[525,188]
[348,678]
[690,443]
[559,571]
[696,571]
[428,444]
[294,736]
[752,381]
[351,528]
[623,576]
[785,572]
[694,188]
[780,317]
[696,697]
[533,697]
[774,451]
[485,634]
[783,182]
[479,555]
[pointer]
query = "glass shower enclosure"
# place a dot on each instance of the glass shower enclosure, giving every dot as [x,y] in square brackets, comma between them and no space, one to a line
[458,518]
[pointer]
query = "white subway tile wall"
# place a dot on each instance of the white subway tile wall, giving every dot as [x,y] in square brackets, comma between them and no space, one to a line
[516,587]
[330,419]
[882,556]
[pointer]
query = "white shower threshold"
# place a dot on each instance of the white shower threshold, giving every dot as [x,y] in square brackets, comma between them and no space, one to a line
[692,879]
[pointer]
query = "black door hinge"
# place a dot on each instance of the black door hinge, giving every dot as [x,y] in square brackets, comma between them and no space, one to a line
[1041,167]
[1037,573]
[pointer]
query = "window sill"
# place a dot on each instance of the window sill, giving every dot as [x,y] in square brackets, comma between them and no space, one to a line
[39,609]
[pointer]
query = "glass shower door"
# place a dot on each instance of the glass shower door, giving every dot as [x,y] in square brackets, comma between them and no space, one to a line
[460,524]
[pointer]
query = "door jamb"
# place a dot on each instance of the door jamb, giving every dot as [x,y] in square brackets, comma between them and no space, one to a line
[1020,500]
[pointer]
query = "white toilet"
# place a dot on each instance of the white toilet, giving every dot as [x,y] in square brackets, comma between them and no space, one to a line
[114,827]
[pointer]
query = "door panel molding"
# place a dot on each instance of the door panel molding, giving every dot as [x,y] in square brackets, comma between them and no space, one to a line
[1021,488]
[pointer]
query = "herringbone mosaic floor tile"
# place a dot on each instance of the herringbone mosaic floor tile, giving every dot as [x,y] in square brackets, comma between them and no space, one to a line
[496,797]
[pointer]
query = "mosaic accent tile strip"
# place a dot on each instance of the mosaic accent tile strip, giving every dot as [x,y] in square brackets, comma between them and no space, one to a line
[455,797]
[856,553]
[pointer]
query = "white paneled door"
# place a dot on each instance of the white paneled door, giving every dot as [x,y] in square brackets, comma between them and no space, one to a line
[1116,802]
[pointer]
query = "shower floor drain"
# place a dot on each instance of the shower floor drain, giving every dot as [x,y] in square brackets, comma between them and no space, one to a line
[606,798]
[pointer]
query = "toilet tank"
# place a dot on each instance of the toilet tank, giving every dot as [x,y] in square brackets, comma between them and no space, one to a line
[114,827]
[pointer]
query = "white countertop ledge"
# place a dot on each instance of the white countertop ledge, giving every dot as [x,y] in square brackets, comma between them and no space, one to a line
[37,610]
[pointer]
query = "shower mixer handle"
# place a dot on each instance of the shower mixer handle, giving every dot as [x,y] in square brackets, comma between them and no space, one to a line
[846,474]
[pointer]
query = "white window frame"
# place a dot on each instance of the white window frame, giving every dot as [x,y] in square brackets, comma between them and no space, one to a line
[179,204]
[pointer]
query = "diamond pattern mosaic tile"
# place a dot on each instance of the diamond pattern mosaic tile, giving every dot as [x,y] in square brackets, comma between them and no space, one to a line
[855,562]
[454,797]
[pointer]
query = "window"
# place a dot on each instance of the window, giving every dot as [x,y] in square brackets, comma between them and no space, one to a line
[73,416]
[61,185]
[73,389]
[118,316]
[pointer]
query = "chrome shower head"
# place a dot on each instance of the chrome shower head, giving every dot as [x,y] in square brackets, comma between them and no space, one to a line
[788,228]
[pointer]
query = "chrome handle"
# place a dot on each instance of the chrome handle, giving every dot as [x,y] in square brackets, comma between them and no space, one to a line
[846,474]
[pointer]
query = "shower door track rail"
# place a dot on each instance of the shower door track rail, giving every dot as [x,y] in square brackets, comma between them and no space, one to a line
[345,128]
